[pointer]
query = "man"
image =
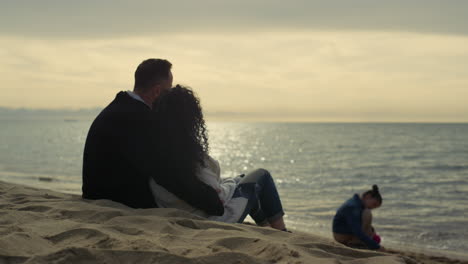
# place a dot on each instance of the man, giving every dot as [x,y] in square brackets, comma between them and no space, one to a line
[121,152]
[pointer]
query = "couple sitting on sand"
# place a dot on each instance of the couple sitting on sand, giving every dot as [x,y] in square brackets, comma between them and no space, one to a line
[149,148]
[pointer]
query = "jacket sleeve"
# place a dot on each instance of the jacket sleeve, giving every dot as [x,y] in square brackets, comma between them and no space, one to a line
[198,194]
[214,166]
[353,219]
[211,176]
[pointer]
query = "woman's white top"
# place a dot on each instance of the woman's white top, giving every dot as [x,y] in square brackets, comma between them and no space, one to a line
[211,175]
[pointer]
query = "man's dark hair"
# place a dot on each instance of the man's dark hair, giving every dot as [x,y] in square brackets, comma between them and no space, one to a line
[151,72]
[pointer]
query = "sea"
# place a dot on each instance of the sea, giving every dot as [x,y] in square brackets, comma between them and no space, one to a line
[421,169]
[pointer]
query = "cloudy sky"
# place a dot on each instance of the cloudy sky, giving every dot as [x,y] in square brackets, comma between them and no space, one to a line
[360,60]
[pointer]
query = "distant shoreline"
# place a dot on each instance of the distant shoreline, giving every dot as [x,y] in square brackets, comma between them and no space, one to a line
[7,113]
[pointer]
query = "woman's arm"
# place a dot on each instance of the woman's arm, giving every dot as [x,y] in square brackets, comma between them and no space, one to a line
[210,174]
[201,196]
[213,166]
[192,190]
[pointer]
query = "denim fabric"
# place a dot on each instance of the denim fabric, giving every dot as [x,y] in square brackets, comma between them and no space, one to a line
[264,204]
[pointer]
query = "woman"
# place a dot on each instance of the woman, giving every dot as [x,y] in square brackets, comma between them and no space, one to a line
[352,224]
[184,142]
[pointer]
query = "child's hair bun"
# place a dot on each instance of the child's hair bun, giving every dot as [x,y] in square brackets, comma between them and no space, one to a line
[375,188]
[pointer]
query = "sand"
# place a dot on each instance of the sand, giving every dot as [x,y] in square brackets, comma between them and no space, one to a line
[42,226]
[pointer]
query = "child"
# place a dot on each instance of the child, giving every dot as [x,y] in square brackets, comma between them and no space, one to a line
[352,224]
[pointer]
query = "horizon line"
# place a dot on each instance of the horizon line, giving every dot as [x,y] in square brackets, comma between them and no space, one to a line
[230,116]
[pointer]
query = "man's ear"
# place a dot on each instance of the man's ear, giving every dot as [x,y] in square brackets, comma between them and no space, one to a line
[157,89]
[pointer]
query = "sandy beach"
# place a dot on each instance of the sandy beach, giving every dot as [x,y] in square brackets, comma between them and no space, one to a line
[43,226]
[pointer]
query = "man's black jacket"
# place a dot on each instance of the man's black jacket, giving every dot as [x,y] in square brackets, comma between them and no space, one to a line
[121,154]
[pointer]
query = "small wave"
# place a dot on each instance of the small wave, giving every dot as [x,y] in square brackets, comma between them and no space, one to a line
[438,236]
[411,157]
[445,167]
[55,182]
[45,179]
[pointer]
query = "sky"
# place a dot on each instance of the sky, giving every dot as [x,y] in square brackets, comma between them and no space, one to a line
[350,61]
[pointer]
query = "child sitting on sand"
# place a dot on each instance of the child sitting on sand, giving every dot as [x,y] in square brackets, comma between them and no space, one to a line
[352,224]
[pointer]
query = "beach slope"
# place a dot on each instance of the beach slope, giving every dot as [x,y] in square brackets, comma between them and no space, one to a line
[42,226]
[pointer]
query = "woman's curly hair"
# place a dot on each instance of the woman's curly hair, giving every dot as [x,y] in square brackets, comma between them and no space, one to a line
[183,137]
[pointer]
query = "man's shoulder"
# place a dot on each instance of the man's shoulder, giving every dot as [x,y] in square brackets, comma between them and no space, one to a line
[123,106]
[122,114]
[123,102]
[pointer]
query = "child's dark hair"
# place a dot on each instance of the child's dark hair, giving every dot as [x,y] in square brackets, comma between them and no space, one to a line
[374,193]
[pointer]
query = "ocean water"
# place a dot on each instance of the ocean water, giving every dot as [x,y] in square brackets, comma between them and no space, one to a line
[422,170]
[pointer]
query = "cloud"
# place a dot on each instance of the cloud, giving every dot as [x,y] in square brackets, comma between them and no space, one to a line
[306,75]
[89,18]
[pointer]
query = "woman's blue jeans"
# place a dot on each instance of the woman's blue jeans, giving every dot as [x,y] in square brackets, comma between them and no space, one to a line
[264,204]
